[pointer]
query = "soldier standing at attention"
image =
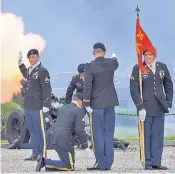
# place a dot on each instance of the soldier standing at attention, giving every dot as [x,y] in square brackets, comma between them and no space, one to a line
[157,89]
[77,83]
[36,101]
[100,98]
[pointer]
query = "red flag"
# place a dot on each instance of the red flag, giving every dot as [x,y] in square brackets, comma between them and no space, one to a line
[143,43]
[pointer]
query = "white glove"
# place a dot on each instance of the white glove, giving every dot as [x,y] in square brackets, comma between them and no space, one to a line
[88,109]
[20,59]
[142,114]
[114,55]
[87,130]
[45,109]
[89,143]
[86,120]
[47,120]
[89,152]
[169,109]
[55,105]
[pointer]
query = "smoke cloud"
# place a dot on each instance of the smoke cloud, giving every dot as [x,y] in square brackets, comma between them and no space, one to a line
[13,40]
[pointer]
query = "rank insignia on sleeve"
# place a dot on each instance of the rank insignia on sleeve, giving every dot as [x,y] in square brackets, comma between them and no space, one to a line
[46,80]
[132,78]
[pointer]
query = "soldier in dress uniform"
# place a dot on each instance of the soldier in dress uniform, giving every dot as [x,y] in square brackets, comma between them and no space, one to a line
[70,118]
[100,98]
[77,83]
[36,101]
[157,89]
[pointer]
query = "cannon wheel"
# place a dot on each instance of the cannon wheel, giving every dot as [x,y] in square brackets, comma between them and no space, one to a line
[16,127]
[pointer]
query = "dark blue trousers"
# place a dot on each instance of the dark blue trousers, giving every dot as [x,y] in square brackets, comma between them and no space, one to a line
[29,145]
[102,122]
[66,162]
[36,126]
[26,146]
[154,137]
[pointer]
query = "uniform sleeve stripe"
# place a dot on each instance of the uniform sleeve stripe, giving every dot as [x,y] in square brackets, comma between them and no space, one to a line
[86,100]
[139,104]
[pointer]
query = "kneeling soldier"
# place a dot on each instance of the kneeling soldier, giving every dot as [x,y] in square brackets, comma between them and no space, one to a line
[70,118]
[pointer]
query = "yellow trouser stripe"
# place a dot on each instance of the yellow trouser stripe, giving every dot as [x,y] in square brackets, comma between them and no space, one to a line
[43,131]
[70,160]
[96,164]
[86,100]
[91,132]
[58,168]
[61,168]
[139,103]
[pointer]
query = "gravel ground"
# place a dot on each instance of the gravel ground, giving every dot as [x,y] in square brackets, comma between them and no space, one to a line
[12,161]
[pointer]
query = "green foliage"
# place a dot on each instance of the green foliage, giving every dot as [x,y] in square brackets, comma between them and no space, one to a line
[18,98]
[6,109]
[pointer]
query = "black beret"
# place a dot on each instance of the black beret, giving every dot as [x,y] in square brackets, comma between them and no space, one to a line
[99,45]
[32,51]
[144,51]
[78,95]
[81,68]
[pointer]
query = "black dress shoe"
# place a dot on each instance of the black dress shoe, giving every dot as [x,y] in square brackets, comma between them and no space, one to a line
[14,145]
[40,163]
[32,158]
[159,167]
[148,168]
[92,168]
[95,168]
[50,170]
[108,168]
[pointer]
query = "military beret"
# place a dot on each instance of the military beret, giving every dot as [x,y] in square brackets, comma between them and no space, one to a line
[99,46]
[32,51]
[78,95]
[81,68]
[144,52]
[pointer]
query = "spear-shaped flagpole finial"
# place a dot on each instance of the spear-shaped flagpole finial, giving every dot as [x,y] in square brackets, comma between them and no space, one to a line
[137,10]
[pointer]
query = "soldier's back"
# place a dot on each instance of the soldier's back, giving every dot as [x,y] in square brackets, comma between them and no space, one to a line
[66,118]
[103,90]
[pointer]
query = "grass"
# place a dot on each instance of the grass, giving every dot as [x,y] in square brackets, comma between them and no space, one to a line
[132,132]
[137,138]
[4,142]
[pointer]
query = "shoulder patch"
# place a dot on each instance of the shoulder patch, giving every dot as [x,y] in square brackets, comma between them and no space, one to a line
[132,78]
[46,79]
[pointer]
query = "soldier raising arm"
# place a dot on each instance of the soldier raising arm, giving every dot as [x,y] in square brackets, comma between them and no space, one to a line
[36,100]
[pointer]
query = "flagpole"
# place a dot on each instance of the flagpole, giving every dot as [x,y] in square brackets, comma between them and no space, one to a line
[140,123]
